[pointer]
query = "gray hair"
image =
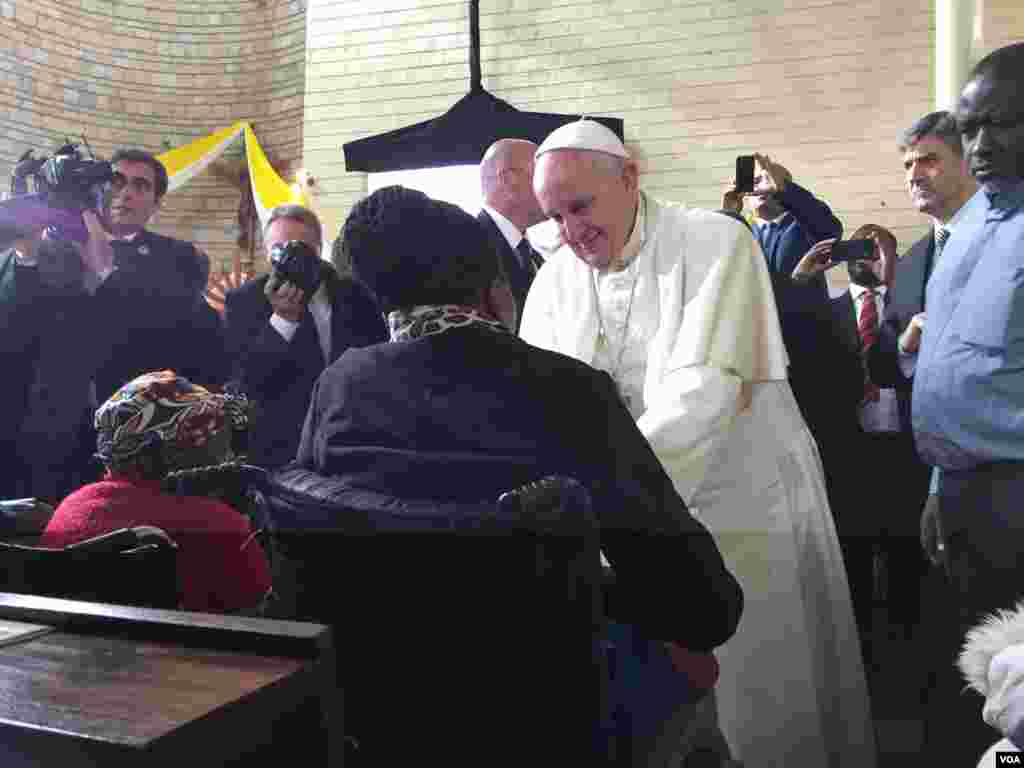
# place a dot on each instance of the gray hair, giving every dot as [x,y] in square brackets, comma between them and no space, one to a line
[940,125]
[297,213]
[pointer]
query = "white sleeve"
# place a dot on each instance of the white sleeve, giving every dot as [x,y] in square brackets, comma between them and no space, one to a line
[537,325]
[686,427]
[286,328]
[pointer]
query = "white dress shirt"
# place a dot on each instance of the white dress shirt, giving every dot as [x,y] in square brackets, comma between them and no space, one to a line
[320,309]
[883,416]
[508,229]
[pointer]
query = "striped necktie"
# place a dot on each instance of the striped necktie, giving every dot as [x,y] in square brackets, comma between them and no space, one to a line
[941,236]
[867,327]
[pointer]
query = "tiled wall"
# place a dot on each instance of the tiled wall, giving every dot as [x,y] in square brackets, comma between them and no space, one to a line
[823,87]
[155,74]
[999,23]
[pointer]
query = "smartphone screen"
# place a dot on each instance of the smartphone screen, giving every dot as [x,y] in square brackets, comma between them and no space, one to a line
[853,250]
[745,173]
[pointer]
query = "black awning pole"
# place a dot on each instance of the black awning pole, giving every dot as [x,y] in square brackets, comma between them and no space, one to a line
[475,83]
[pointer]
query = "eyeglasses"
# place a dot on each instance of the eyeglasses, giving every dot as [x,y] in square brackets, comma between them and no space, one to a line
[137,183]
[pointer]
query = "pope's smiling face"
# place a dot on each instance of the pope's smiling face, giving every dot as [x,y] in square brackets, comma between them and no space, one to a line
[592,197]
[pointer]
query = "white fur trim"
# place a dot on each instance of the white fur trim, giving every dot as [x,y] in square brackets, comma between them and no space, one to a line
[995,633]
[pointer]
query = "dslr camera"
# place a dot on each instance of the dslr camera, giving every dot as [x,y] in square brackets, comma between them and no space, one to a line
[63,186]
[297,262]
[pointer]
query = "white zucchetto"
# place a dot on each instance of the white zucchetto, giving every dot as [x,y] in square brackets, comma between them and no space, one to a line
[583,134]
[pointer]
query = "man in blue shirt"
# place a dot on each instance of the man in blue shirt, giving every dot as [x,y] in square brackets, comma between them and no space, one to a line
[968,395]
[788,218]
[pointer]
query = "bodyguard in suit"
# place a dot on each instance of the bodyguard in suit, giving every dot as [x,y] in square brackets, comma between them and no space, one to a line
[509,208]
[878,454]
[939,184]
[281,340]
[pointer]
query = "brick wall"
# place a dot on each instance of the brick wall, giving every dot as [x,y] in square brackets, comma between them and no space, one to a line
[824,87]
[155,74]
[1000,22]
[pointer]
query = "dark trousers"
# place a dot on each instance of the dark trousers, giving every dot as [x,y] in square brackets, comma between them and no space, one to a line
[983,527]
[877,494]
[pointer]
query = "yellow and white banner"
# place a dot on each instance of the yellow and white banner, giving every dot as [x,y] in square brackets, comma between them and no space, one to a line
[268,189]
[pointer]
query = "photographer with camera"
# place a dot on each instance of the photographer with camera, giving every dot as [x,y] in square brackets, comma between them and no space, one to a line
[149,288]
[89,299]
[285,328]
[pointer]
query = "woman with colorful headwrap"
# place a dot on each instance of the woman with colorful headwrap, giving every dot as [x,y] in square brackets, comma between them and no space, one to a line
[155,424]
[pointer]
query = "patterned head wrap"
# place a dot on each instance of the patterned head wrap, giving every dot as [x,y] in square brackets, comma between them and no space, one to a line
[191,425]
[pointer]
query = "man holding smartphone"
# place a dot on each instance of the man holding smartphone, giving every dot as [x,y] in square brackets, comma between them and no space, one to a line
[872,434]
[788,219]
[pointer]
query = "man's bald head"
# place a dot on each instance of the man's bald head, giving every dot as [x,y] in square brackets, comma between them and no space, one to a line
[506,180]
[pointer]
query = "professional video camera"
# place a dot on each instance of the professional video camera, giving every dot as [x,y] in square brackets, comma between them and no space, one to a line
[62,187]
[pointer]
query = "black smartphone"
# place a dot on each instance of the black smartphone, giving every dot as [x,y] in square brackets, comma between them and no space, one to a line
[745,173]
[853,250]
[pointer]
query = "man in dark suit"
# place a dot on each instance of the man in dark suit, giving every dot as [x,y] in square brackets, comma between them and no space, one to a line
[149,289]
[877,454]
[510,207]
[457,408]
[281,340]
[939,183]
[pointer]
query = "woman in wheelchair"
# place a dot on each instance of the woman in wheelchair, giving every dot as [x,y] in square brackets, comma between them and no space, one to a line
[161,423]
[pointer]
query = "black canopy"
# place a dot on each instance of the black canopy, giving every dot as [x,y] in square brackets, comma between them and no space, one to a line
[462,134]
[458,137]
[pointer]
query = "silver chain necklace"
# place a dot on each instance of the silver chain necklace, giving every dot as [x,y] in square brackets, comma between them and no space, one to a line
[603,338]
[602,333]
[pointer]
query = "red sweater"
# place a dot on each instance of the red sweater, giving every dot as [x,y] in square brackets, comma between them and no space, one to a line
[220,567]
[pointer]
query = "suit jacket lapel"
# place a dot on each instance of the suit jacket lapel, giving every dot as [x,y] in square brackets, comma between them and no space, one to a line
[848,318]
[517,279]
[922,271]
[341,321]
[307,341]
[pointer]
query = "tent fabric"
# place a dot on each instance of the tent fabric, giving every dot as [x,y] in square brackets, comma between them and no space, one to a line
[458,137]
[268,189]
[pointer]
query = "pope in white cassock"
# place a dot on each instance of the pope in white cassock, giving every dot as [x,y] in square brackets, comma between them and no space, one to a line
[676,305]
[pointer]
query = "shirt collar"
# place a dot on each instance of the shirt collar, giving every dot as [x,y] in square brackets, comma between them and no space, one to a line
[508,229]
[320,295]
[955,219]
[130,238]
[777,220]
[1006,197]
[856,291]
